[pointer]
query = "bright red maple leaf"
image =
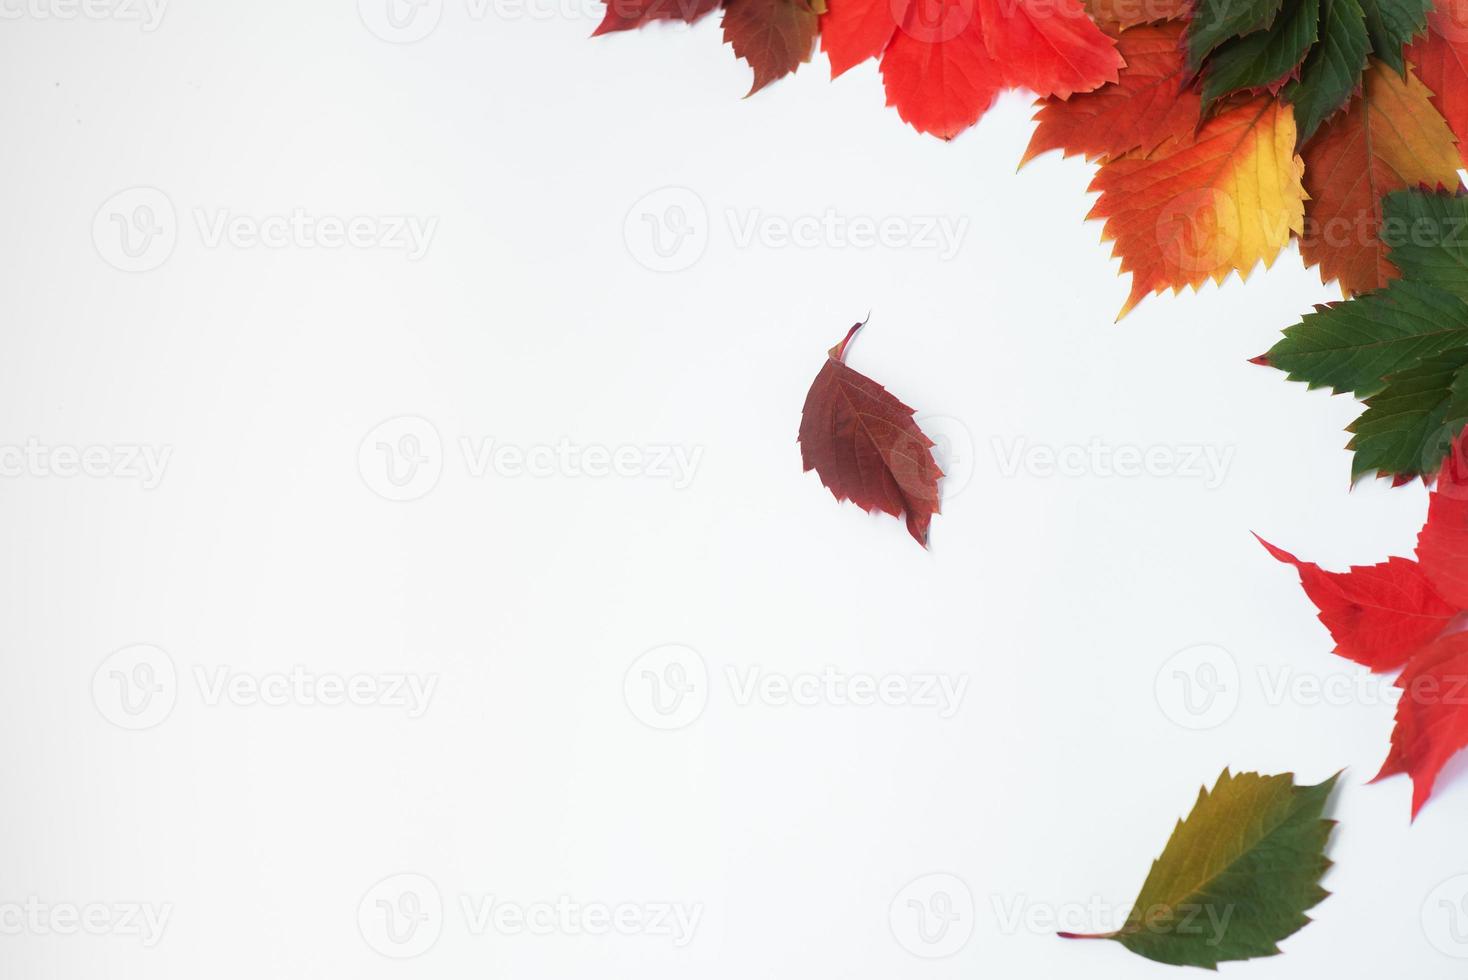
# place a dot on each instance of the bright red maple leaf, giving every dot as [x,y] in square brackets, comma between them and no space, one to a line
[1378,615]
[944,61]
[1407,614]
[1432,715]
[1442,546]
[864,445]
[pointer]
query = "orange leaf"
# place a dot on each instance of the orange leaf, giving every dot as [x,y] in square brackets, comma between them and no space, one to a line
[1390,139]
[1130,13]
[1199,208]
[1150,103]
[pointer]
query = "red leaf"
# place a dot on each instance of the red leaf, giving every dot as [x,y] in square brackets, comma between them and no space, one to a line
[774,36]
[946,60]
[938,73]
[1378,615]
[1150,104]
[1051,47]
[1432,715]
[864,445]
[1440,58]
[624,15]
[1442,546]
[854,30]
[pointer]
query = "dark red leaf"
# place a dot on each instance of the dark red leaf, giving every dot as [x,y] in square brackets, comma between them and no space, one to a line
[864,445]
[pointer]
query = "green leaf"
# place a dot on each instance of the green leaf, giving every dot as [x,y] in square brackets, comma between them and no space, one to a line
[1332,71]
[1392,25]
[1263,59]
[1408,427]
[1353,346]
[1428,238]
[1237,875]
[1215,21]
[1404,348]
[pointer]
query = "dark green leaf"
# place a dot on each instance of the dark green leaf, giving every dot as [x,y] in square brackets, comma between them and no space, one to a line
[1264,59]
[1215,21]
[1428,238]
[1392,25]
[1332,71]
[1409,425]
[1353,346]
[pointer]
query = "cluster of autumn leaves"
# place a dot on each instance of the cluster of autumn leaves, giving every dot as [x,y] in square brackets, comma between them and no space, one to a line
[1221,129]
[1237,126]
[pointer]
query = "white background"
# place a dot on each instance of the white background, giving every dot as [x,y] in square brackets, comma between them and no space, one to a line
[1059,599]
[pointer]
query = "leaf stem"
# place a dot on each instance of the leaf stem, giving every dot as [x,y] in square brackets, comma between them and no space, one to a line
[838,352]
